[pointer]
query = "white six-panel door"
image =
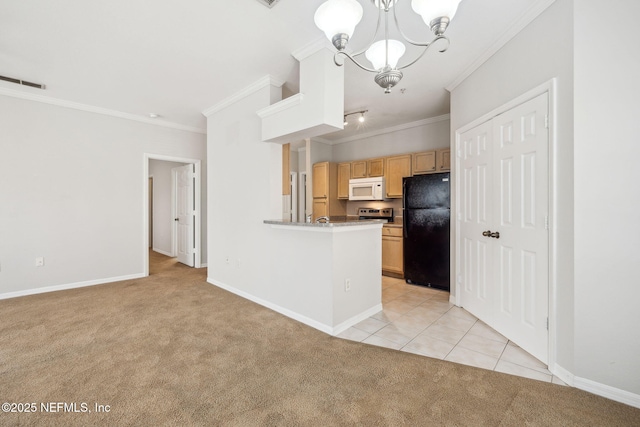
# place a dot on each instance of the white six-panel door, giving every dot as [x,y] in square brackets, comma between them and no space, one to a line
[185,214]
[475,178]
[503,193]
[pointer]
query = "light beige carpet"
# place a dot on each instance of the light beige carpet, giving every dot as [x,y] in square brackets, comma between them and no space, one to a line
[171,349]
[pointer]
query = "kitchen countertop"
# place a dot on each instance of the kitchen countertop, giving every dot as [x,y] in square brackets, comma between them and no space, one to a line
[339,223]
[395,224]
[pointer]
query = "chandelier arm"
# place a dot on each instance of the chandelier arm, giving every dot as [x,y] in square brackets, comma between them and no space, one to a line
[426,48]
[343,53]
[413,42]
[373,37]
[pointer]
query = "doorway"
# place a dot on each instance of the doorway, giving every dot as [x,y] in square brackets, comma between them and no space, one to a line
[502,222]
[168,244]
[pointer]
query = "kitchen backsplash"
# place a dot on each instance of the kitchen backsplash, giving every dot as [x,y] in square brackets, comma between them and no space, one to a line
[396,204]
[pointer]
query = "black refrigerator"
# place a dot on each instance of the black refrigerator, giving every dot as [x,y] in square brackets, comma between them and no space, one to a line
[427,216]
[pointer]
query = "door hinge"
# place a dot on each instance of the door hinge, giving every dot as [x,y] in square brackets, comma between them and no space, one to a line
[546,222]
[547,323]
[546,121]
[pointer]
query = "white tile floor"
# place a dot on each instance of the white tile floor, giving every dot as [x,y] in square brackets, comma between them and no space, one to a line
[421,320]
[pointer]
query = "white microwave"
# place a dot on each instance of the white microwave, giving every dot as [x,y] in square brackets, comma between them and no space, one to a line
[366,188]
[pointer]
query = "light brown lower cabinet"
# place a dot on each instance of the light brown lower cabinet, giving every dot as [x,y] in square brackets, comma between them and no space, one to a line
[392,252]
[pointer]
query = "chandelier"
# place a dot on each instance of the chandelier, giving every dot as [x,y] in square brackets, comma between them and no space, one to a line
[338,19]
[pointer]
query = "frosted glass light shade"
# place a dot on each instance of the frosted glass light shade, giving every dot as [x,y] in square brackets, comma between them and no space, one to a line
[432,9]
[376,53]
[338,17]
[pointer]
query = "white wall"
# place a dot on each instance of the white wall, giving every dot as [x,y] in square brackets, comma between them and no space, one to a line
[541,52]
[607,195]
[162,204]
[320,152]
[71,191]
[245,175]
[414,139]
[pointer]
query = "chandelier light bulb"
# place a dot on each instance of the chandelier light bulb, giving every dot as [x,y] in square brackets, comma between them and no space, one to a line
[431,10]
[338,18]
[361,118]
[345,121]
[376,54]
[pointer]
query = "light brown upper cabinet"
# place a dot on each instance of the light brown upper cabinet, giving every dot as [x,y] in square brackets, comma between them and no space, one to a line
[397,167]
[424,162]
[375,167]
[344,175]
[443,160]
[320,180]
[359,169]
[325,191]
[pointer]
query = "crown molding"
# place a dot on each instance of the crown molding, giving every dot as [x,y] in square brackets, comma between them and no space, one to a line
[265,81]
[518,25]
[384,131]
[98,110]
[279,106]
[311,48]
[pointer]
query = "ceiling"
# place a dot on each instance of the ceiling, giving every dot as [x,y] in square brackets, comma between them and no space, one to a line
[176,59]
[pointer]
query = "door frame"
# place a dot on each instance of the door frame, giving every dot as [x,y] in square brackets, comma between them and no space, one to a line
[197,242]
[302,203]
[549,87]
[293,182]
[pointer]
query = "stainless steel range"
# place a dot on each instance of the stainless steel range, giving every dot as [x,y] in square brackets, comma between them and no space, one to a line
[373,213]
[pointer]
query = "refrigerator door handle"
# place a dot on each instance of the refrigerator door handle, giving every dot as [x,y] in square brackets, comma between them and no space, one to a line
[404,210]
[404,226]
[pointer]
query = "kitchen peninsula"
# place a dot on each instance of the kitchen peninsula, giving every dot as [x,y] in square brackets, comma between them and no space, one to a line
[330,271]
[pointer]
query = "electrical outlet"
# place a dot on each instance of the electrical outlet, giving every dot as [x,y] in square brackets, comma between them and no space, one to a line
[347,285]
[39,261]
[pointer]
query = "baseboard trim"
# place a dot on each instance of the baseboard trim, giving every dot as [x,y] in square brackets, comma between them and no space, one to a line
[165,253]
[69,286]
[609,392]
[327,329]
[563,374]
[356,319]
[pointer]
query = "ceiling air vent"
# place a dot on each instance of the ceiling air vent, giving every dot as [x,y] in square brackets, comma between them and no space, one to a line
[22,82]
[268,3]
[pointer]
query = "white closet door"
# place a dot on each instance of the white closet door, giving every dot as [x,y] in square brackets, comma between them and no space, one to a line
[475,205]
[503,189]
[520,208]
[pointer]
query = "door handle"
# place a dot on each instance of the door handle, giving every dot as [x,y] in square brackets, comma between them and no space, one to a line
[176,219]
[489,233]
